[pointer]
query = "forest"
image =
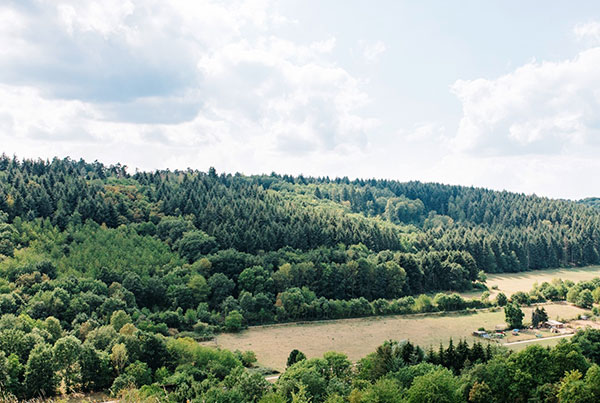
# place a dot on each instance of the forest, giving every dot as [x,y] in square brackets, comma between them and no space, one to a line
[112,276]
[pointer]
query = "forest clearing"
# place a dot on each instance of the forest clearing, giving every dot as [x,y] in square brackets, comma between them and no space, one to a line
[359,337]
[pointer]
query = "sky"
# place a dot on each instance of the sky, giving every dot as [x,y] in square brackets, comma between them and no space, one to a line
[500,94]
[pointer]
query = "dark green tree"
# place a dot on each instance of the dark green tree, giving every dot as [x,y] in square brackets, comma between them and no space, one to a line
[40,378]
[514,315]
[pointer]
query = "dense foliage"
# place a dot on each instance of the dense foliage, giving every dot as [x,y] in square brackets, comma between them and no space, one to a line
[395,372]
[103,272]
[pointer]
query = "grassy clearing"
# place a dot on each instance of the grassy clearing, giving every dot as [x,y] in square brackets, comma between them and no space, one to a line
[359,337]
[509,283]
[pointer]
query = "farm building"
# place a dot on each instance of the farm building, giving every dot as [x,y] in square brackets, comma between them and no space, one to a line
[553,323]
[480,333]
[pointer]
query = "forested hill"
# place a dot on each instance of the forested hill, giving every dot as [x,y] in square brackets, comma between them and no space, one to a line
[591,202]
[341,239]
[502,231]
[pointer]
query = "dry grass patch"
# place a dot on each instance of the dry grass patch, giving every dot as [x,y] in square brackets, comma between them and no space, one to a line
[509,283]
[359,337]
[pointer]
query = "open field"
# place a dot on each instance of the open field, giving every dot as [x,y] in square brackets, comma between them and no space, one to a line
[509,283]
[359,337]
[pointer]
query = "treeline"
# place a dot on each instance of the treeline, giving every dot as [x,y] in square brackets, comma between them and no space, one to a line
[40,359]
[125,362]
[87,272]
[504,232]
[583,294]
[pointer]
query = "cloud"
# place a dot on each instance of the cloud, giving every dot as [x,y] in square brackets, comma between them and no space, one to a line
[539,108]
[559,176]
[372,51]
[534,129]
[200,75]
[425,132]
[588,30]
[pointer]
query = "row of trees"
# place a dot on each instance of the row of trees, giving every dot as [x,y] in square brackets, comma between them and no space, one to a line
[88,271]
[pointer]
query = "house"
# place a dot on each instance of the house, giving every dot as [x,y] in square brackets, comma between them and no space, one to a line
[480,333]
[553,324]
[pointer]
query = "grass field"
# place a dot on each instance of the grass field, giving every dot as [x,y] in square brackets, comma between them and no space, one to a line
[359,337]
[509,283]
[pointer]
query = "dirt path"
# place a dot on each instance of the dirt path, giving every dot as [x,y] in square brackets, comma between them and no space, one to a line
[536,339]
[272,378]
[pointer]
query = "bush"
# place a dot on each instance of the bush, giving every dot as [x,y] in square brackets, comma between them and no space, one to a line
[521,298]
[248,358]
[140,373]
[501,299]
[452,302]
[203,330]
[294,357]
[585,299]
[233,321]
[122,382]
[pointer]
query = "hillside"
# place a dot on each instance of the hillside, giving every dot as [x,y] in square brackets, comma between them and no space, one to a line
[175,239]
[504,232]
[93,254]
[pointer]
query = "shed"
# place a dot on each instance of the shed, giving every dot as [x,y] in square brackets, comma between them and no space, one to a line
[554,323]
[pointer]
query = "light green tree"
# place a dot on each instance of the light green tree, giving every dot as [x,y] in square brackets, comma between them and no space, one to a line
[574,390]
[119,319]
[233,321]
[66,354]
[119,357]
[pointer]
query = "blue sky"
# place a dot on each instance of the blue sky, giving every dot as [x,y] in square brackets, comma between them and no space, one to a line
[501,94]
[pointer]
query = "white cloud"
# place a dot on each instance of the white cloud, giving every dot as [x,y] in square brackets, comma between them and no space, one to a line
[203,74]
[588,30]
[424,132]
[372,51]
[559,176]
[106,18]
[540,108]
[535,129]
